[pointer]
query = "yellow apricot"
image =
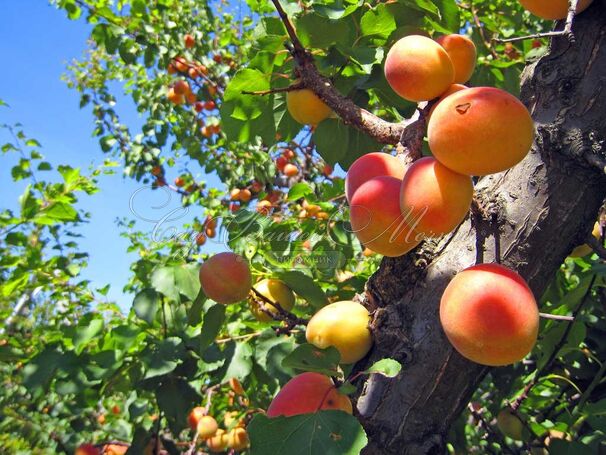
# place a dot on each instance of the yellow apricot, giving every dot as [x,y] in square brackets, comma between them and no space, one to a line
[274,291]
[343,325]
[305,107]
[584,249]
[552,9]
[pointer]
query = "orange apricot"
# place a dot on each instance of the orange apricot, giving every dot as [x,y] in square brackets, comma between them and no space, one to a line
[174,97]
[87,449]
[372,165]
[307,393]
[225,278]
[305,107]
[552,9]
[437,198]
[418,69]
[180,64]
[489,315]
[194,416]
[376,218]
[189,41]
[480,131]
[275,291]
[237,439]
[218,442]
[181,87]
[290,170]
[245,195]
[462,53]
[207,427]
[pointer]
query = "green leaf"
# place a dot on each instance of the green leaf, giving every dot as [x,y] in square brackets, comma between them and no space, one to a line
[187,281]
[88,328]
[378,22]
[213,321]
[239,365]
[38,372]
[56,212]
[305,287]
[299,190]
[145,305]
[323,432]
[163,281]
[247,107]
[321,32]
[386,367]
[307,357]
[176,398]
[163,357]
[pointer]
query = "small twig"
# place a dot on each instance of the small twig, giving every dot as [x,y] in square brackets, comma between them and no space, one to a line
[281,315]
[557,317]
[476,19]
[567,31]
[290,88]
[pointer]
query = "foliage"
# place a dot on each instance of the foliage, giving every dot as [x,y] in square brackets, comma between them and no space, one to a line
[77,369]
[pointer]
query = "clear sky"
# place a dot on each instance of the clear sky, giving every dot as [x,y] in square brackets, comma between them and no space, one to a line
[36,42]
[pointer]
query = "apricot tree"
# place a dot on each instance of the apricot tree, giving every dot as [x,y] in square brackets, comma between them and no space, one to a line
[357,309]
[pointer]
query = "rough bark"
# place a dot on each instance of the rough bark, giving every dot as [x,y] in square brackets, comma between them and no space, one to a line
[537,211]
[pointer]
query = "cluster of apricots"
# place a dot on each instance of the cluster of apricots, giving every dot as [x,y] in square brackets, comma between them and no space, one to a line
[233,437]
[471,132]
[226,278]
[552,9]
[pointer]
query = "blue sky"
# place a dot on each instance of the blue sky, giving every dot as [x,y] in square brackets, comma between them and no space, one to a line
[36,42]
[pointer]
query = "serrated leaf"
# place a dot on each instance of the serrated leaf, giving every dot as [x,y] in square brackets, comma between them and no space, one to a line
[323,432]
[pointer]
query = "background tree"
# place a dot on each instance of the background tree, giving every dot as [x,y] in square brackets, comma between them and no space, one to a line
[211,82]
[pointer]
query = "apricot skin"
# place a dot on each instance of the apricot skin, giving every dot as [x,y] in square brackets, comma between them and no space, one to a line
[489,315]
[343,325]
[435,196]
[275,291]
[552,9]
[207,427]
[237,439]
[510,425]
[372,165]
[376,218]
[462,53]
[584,249]
[454,88]
[225,278]
[217,443]
[307,393]
[480,131]
[418,69]
[305,107]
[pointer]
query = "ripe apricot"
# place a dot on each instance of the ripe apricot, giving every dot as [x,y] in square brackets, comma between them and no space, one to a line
[376,218]
[194,416]
[434,196]
[274,291]
[200,239]
[372,165]
[264,207]
[237,439]
[179,182]
[552,9]
[115,449]
[290,170]
[236,386]
[418,69]
[308,393]
[189,41]
[174,97]
[305,107]
[480,131]
[207,427]
[343,325]
[190,97]
[181,87]
[234,194]
[327,170]
[452,89]
[462,53]
[584,249]
[256,187]
[225,278]
[180,64]
[489,315]
[288,154]
[210,105]
[218,442]
[87,449]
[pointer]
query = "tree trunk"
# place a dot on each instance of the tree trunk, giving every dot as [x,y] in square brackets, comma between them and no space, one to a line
[534,214]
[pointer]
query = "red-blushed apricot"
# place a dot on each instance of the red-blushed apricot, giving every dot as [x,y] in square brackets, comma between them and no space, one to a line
[274,291]
[343,325]
[194,416]
[87,449]
[462,53]
[436,197]
[245,195]
[181,87]
[237,439]
[376,218]
[418,69]
[584,249]
[174,97]
[489,315]
[218,442]
[480,131]
[236,387]
[207,427]
[452,89]
[115,449]
[189,41]
[372,165]
[552,9]
[290,170]
[305,107]
[225,277]
[307,393]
